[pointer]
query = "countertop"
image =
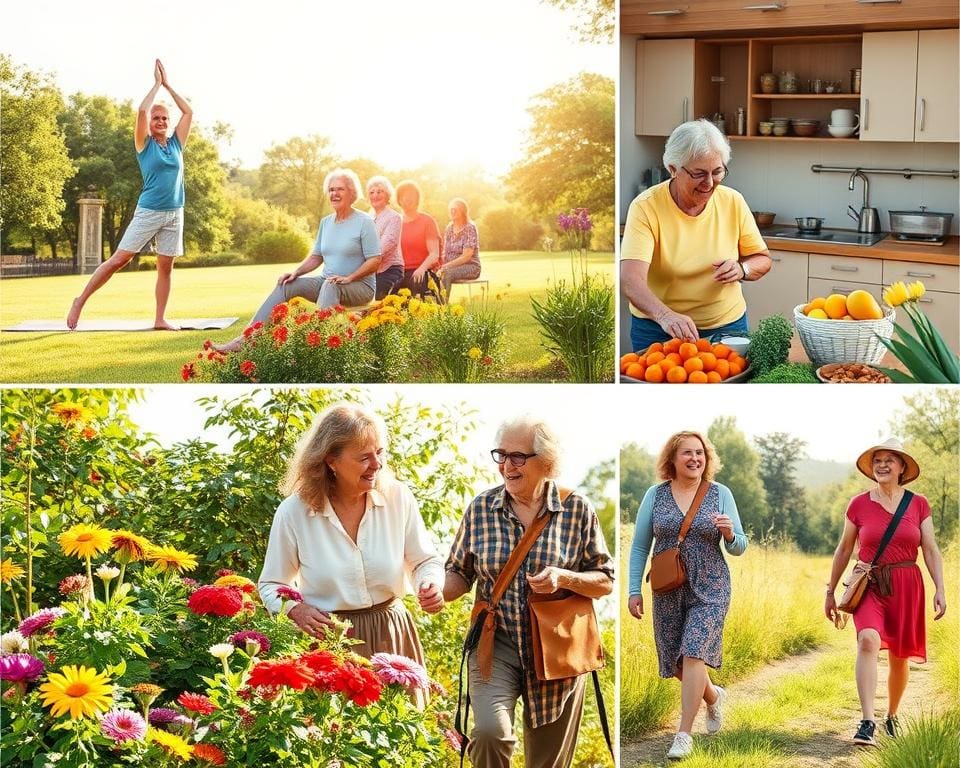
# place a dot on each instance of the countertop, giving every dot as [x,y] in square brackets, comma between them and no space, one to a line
[949,253]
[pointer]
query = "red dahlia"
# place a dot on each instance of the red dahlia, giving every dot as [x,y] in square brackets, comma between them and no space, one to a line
[220,601]
[196,702]
[276,672]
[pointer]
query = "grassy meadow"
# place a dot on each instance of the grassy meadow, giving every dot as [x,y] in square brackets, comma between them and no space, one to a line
[152,357]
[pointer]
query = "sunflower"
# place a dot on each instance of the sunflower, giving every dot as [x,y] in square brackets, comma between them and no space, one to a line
[9,571]
[81,691]
[130,547]
[72,413]
[170,559]
[83,540]
[170,743]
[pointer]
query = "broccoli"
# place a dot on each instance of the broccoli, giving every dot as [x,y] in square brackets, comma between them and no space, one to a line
[769,344]
[788,373]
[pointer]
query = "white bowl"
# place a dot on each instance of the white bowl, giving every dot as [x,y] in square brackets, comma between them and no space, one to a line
[841,131]
[738,344]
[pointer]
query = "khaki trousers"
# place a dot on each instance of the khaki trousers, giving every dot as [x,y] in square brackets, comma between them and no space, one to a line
[494,704]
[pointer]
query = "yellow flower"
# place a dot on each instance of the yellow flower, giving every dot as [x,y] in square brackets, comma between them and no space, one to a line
[9,571]
[457,310]
[896,294]
[170,743]
[84,540]
[130,547]
[414,306]
[405,293]
[72,413]
[368,323]
[474,353]
[916,289]
[168,559]
[81,691]
[234,580]
[296,301]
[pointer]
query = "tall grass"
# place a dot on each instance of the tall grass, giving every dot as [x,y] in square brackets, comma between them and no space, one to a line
[943,647]
[928,741]
[775,611]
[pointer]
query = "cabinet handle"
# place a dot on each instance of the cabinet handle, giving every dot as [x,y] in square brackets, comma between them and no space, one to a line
[845,290]
[671,12]
[923,113]
[866,114]
[764,7]
[878,2]
[920,274]
[686,104]
[838,268]
[777,259]
[925,301]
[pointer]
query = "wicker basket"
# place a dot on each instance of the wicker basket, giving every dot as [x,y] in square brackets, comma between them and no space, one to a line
[842,341]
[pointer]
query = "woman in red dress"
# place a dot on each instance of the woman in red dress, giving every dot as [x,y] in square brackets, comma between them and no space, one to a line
[891,614]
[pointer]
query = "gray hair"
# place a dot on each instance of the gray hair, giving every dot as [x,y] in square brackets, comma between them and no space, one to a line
[693,140]
[381,181]
[546,444]
[349,176]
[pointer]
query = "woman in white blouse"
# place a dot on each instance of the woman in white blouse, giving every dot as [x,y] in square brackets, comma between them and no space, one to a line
[349,537]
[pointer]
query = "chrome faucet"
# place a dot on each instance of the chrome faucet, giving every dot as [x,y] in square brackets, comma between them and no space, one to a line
[868,219]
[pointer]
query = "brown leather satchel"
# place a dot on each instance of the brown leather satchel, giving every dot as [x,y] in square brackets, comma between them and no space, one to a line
[565,635]
[667,571]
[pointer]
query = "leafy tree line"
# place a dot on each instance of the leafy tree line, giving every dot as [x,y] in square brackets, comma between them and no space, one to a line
[774,506]
[56,151]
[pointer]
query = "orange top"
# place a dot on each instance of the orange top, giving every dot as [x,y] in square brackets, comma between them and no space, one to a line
[413,239]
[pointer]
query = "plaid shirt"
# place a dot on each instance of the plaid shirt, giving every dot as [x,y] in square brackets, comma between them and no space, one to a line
[572,540]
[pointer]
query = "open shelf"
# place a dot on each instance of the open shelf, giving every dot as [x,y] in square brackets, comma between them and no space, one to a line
[806,96]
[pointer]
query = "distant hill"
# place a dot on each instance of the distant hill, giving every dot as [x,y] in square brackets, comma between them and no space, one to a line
[814,473]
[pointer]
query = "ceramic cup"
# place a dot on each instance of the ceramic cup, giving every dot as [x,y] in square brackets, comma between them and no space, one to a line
[844,118]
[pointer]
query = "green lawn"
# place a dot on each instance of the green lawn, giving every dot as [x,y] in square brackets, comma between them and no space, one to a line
[150,357]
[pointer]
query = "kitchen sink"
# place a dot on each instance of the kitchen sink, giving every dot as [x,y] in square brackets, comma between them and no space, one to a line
[840,236]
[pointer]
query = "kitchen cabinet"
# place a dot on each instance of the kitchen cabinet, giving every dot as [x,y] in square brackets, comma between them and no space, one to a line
[844,274]
[780,290]
[664,85]
[941,302]
[909,90]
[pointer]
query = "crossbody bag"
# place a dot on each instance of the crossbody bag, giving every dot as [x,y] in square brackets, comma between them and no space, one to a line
[667,571]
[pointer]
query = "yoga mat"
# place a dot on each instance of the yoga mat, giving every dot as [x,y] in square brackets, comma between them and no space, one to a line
[189,324]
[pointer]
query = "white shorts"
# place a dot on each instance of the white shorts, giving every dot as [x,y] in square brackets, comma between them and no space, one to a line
[166,226]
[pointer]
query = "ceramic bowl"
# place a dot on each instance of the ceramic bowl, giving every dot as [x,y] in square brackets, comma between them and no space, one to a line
[764,218]
[738,344]
[841,131]
[765,128]
[780,129]
[805,127]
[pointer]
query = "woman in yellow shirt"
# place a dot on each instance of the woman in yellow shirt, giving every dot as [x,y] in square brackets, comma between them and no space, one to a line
[688,243]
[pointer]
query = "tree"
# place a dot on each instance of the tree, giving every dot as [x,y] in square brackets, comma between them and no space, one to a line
[251,217]
[569,159]
[779,453]
[506,229]
[637,474]
[33,154]
[292,176]
[596,18]
[740,472]
[595,484]
[206,213]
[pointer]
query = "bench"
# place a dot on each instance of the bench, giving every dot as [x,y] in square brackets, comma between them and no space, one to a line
[484,286]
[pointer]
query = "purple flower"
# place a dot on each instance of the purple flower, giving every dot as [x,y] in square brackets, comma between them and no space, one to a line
[20,668]
[39,621]
[123,725]
[163,716]
[289,593]
[245,638]
[391,668]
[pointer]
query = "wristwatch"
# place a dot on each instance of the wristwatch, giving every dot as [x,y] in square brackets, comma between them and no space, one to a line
[745,268]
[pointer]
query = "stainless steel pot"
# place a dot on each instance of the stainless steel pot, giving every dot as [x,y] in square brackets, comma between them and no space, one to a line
[920,223]
[809,224]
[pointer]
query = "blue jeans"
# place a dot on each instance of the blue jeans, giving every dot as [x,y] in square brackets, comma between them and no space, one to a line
[643,331]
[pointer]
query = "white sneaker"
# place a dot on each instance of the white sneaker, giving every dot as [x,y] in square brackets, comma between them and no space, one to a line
[715,711]
[682,746]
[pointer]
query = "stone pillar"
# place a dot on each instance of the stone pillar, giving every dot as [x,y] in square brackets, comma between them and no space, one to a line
[90,237]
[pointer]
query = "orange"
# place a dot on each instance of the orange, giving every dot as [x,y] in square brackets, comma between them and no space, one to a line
[634,371]
[713,378]
[818,314]
[655,347]
[688,350]
[655,357]
[721,351]
[667,364]
[630,357]
[816,303]
[677,375]
[722,369]
[735,369]
[697,377]
[675,358]
[862,306]
[693,364]
[709,360]
[835,306]
[653,374]
[704,345]
[672,346]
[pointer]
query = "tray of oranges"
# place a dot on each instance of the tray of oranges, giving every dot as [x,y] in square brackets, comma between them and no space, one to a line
[684,362]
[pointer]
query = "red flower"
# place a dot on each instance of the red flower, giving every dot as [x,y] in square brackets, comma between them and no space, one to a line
[280,334]
[94,478]
[339,308]
[207,344]
[323,314]
[209,753]
[289,672]
[487,360]
[349,333]
[279,313]
[187,372]
[303,317]
[247,367]
[196,702]
[314,339]
[224,572]
[334,341]
[219,601]
[359,684]
[321,662]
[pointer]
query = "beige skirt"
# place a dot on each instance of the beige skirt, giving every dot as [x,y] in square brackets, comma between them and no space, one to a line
[385,628]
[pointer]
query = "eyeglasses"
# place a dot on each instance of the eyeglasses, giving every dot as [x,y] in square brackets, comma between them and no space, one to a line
[701,176]
[517,458]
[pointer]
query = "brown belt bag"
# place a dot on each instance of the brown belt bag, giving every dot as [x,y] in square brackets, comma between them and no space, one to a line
[566,637]
[667,571]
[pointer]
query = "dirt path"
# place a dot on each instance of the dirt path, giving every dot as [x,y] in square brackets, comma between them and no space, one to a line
[811,740]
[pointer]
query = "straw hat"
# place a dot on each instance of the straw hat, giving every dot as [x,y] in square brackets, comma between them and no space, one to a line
[911,470]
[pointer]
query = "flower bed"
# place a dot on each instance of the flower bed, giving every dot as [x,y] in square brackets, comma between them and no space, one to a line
[146,666]
[401,339]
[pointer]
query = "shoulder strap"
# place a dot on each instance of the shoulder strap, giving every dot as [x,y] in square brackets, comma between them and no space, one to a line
[692,512]
[892,525]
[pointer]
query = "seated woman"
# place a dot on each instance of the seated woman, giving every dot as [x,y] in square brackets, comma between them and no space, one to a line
[419,240]
[389,223]
[349,249]
[461,247]
[688,243]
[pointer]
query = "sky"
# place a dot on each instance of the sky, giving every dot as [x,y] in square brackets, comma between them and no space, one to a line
[400,83]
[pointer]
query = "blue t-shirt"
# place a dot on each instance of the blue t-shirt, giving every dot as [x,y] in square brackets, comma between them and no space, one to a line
[162,171]
[346,244]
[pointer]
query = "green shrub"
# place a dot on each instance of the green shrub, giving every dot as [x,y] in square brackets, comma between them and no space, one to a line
[928,741]
[278,247]
[224,259]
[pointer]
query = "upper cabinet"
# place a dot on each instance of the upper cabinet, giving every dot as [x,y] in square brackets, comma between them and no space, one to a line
[675,18]
[909,90]
[664,85]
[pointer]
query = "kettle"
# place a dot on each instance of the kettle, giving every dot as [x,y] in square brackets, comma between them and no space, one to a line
[868,219]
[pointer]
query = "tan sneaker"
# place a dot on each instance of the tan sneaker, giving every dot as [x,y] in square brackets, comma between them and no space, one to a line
[715,711]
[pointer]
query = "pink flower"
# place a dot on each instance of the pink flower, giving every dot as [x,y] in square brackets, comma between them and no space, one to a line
[123,725]
[71,584]
[453,739]
[39,621]
[289,593]
[20,668]
[392,668]
[243,640]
